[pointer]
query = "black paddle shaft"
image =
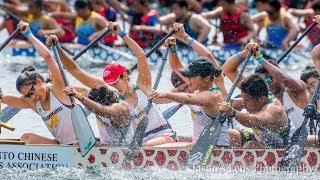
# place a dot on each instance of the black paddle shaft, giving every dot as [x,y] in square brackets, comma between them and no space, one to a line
[203,148]
[154,48]
[138,136]
[298,140]
[14,34]
[296,42]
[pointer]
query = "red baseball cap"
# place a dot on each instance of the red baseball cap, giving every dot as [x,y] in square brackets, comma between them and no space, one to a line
[112,72]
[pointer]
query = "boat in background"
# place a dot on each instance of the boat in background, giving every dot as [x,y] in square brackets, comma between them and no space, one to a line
[14,154]
[102,54]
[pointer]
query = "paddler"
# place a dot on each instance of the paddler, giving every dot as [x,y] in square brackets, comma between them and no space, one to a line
[116,75]
[88,24]
[144,19]
[194,24]
[308,15]
[54,7]
[280,26]
[204,95]
[47,101]
[256,100]
[108,12]
[41,25]
[236,24]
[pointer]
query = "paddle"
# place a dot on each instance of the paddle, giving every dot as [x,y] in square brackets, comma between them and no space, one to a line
[167,114]
[14,34]
[296,42]
[8,112]
[138,136]
[154,48]
[203,148]
[298,140]
[80,122]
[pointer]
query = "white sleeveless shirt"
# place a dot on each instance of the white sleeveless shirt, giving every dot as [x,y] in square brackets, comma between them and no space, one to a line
[155,117]
[293,111]
[109,134]
[201,120]
[58,120]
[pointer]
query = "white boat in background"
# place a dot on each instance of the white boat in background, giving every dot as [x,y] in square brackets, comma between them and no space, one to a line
[102,54]
[18,155]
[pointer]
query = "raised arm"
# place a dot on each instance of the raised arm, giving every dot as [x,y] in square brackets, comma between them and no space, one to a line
[144,80]
[293,29]
[45,54]
[64,15]
[202,24]
[213,14]
[247,21]
[100,24]
[295,88]
[167,19]
[119,5]
[301,12]
[82,76]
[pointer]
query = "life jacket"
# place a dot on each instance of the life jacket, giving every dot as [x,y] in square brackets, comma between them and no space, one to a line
[144,20]
[110,15]
[68,29]
[11,25]
[232,23]
[314,34]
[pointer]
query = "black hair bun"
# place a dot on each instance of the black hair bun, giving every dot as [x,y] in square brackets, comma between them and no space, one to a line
[28,69]
[217,73]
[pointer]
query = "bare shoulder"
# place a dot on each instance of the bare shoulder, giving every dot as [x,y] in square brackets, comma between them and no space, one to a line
[214,95]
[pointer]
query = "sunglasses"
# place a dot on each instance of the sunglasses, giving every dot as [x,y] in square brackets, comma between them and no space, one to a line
[31,91]
[268,80]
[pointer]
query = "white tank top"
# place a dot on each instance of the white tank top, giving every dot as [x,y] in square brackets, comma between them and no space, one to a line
[294,112]
[155,116]
[58,120]
[109,134]
[201,120]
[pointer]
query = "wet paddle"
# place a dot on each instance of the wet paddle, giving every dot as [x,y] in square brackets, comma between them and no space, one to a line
[296,42]
[294,150]
[8,112]
[14,34]
[203,148]
[134,146]
[80,122]
[167,114]
[154,48]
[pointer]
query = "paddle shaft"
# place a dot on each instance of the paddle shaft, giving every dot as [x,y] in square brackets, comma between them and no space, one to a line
[296,42]
[92,43]
[14,34]
[167,114]
[203,148]
[6,126]
[154,48]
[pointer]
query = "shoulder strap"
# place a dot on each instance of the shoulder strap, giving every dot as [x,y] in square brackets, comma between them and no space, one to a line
[217,88]
[135,87]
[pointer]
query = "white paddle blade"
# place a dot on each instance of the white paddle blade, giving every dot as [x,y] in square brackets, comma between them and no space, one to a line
[82,129]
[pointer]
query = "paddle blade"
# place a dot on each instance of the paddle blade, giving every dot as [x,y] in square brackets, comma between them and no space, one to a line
[82,129]
[202,150]
[295,148]
[8,112]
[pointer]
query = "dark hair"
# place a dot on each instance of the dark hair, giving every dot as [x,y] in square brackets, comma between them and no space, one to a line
[176,80]
[28,76]
[316,6]
[181,3]
[103,95]
[308,72]
[255,86]
[230,1]
[263,1]
[38,3]
[128,73]
[262,70]
[275,4]
[81,4]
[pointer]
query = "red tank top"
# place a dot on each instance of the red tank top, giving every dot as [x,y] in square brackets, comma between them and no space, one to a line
[231,23]
[10,25]
[112,37]
[68,29]
[314,34]
[148,36]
